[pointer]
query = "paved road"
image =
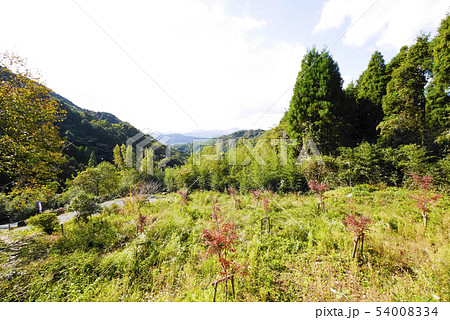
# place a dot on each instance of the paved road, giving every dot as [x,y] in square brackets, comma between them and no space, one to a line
[63,218]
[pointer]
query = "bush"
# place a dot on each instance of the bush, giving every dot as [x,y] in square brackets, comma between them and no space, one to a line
[22,206]
[4,212]
[23,203]
[103,180]
[85,205]
[68,195]
[360,164]
[128,179]
[441,174]
[47,222]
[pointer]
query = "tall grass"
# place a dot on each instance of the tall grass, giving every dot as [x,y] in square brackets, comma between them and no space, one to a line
[306,257]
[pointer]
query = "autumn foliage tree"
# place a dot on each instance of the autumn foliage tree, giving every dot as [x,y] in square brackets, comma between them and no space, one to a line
[30,144]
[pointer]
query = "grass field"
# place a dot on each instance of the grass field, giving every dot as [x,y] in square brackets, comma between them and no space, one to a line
[305,257]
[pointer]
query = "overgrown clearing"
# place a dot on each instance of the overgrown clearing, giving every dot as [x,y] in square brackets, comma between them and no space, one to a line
[305,257]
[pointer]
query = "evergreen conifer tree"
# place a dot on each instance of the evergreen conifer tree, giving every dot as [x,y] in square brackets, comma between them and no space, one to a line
[315,105]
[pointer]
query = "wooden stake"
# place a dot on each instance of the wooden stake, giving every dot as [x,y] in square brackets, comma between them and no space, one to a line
[215,291]
[355,247]
[362,244]
[226,285]
[232,285]
[425,220]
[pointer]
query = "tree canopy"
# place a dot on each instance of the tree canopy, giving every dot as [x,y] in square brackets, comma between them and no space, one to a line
[30,144]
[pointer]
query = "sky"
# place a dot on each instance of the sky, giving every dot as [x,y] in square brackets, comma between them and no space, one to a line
[184,65]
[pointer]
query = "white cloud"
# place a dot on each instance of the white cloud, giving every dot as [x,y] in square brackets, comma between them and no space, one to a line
[392,23]
[217,66]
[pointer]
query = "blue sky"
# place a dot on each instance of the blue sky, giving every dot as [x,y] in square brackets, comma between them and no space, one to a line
[182,65]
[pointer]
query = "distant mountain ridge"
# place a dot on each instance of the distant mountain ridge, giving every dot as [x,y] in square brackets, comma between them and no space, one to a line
[183,138]
[176,138]
[186,148]
[245,134]
[209,134]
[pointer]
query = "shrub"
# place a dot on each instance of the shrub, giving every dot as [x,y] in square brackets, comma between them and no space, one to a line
[423,199]
[102,180]
[141,223]
[221,240]
[362,164]
[85,204]
[22,206]
[145,188]
[128,179]
[318,189]
[359,226]
[47,222]
[412,158]
[23,203]
[4,212]
[184,197]
[170,179]
[442,174]
[257,194]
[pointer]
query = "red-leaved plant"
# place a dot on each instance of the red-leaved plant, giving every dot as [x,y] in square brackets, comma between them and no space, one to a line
[141,223]
[265,205]
[237,201]
[184,197]
[358,225]
[232,191]
[319,190]
[424,182]
[257,194]
[220,240]
[423,199]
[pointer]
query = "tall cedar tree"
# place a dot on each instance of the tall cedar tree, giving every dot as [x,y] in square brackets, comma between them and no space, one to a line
[404,104]
[30,144]
[396,62]
[439,90]
[315,105]
[370,89]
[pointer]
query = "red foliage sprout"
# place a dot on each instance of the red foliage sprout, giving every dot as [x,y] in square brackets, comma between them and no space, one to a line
[220,240]
[141,223]
[184,197]
[319,190]
[358,225]
[423,199]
